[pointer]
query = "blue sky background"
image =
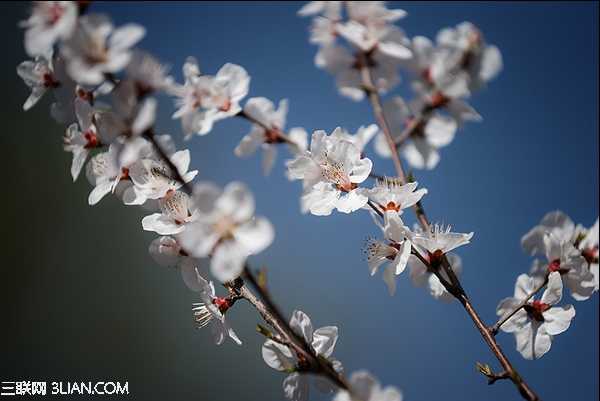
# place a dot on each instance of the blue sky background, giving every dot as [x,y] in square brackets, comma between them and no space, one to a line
[535,151]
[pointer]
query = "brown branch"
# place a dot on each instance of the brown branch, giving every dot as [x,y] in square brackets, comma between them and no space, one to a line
[454,287]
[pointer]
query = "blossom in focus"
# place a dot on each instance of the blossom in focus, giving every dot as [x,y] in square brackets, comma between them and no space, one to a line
[536,324]
[366,388]
[152,177]
[279,356]
[96,48]
[263,111]
[422,276]
[204,99]
[438,241]
[331,171]
[395,250]
[389,194]
[49,22]
[225,228]
[177,210]
[211,310]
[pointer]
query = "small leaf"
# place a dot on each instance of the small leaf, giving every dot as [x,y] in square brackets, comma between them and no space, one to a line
[264,331]
[485,369]
[262,278]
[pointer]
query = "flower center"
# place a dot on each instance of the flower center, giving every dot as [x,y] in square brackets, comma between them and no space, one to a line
[438,99]
[590,254]
[435,258]
[48,80]
[392,206]
[91,139]
[224,227]
[536,309]
[426,75]
[272,135]
[335,173]
[55,12]
[222,303]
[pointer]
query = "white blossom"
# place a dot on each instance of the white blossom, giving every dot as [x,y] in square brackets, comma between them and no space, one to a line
[49,22]
[279,356]
[387,40]
[81,137]
[395,250]
[339,62]
[96,48]
[439,240]
[421,150]
[176,211]
[104,173]
[389,194]
[366,388]
[166,251]
[589,250]
[564,258]
[467,49]
[225,228]
[39,76]
[361,137]
[148,73]
[204,99]
[331,171]
[128,120]
[329,9]
[211,310]
[535,325]
[152,178]
[262,110]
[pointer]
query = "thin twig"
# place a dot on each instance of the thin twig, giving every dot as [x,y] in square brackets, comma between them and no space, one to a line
[150,136]
[273,316]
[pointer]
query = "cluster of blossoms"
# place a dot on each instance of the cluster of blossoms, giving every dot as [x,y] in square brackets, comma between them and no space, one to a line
[106,92]
[444,73]
[571,260]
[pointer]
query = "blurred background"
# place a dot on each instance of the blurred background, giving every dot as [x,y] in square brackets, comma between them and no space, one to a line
[82,300]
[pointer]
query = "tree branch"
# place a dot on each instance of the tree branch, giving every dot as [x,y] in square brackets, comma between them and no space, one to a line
[455,288]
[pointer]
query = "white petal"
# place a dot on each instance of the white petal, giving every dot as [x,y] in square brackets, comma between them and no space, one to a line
[558,319]
[553,293]
[301,324]
[324,340]
[255,235]
[227,261]
[277,356]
